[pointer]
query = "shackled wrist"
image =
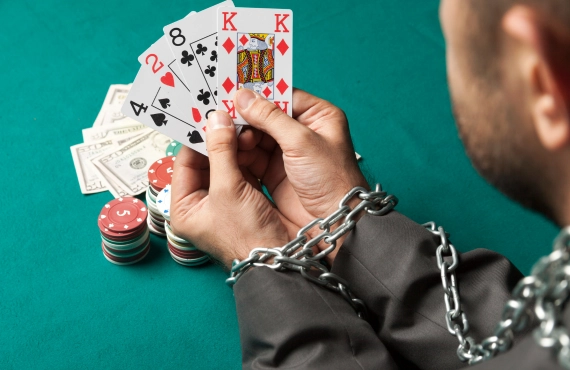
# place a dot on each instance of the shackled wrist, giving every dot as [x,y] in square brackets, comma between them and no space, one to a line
[298,254]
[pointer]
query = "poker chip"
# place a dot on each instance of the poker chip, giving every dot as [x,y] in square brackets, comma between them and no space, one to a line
[182,251]
[123,214]
[160,173]
[163,202]
[123,225]
[173,148]
[155,220]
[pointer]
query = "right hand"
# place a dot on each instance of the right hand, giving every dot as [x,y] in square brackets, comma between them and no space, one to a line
[307,163]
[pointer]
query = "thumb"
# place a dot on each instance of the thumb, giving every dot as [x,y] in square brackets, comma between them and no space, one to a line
[221,142]
[269,118]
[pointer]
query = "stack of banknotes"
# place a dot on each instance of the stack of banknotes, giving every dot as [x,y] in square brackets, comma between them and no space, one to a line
[117,151]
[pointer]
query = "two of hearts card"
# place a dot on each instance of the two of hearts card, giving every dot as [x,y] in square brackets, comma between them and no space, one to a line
[200,62]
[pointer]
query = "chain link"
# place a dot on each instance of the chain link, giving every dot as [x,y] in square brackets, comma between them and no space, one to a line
[541,295]
[298,255]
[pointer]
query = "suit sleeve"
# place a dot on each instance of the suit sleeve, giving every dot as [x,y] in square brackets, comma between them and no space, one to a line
[288,322]
[390,263]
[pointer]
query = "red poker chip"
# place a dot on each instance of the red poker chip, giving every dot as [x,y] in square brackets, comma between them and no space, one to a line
[113,235]
[125,259]
[185,254]
[123,214]
[160,173]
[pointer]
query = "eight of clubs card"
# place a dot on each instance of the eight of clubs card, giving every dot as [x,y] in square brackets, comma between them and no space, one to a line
[255,51]
[193,41]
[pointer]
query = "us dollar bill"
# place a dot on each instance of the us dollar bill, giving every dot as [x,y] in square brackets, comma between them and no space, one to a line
[125,169]
[88,176]
[110,112]
[90,179]
[93,134]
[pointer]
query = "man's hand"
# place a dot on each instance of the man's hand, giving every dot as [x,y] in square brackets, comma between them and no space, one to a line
[307,162]
[219,206]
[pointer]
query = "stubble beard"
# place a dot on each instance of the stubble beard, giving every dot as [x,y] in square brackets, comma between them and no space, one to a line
[500,142]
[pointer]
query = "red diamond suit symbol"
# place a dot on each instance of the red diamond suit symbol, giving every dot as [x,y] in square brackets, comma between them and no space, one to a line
[228,85]
[283,47]
[228,45]
[282,86]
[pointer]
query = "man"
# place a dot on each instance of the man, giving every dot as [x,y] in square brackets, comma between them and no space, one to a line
[509,76]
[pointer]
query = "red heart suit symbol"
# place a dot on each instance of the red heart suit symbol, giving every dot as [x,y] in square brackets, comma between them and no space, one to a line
[196,115]
[167,79]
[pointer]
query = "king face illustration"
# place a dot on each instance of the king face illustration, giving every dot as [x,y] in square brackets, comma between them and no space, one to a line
[256,63]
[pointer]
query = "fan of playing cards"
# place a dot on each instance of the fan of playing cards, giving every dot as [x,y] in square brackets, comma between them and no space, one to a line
[202,60]
[194,69]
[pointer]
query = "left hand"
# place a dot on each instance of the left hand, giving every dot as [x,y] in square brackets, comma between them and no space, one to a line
[217,205]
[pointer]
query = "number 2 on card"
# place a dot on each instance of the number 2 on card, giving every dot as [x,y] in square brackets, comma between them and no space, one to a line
[154,67]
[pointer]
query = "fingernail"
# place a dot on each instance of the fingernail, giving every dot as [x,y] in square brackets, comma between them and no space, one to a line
[219,120]
[245,98]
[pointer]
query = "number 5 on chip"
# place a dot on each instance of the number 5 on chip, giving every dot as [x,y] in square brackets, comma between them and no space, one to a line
[255,51]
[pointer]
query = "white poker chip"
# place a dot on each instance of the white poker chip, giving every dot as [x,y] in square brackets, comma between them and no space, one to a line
[163,202]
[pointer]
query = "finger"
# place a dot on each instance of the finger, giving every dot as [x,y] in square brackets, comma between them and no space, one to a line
[221,142]
[269,118]
[304,102]
[187,179]
[249,138]
[321,116]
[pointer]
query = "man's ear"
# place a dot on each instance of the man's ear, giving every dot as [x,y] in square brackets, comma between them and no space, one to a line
[544,50]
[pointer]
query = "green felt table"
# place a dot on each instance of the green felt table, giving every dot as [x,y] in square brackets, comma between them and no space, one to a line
[62,305]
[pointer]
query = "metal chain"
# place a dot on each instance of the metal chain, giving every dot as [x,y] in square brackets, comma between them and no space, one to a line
[542,295]
[298,255]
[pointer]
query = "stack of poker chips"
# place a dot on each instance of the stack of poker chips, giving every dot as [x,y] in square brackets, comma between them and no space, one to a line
[124,232]
[159,176]
[181,251]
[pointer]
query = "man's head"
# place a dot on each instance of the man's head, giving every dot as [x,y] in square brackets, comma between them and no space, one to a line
[509,74]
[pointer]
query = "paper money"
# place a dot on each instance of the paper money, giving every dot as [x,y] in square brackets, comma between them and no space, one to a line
[125,169]
[111,131]
[110,112]
[90,178]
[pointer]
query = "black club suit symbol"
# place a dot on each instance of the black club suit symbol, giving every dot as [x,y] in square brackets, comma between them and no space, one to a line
[187,58]
[204,97]
[210,71]
[214,56]
[201,49]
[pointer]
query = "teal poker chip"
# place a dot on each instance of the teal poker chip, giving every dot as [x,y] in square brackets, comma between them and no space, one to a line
[173,148]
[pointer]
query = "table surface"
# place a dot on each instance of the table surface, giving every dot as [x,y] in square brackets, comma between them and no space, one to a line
[62,305]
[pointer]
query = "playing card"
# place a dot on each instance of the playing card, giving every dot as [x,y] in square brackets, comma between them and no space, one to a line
[151,103]
[255,51]
[193,41]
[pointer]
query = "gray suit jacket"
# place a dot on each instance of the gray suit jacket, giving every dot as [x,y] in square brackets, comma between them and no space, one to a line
[288,322]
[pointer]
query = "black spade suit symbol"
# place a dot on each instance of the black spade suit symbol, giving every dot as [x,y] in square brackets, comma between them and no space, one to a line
[164,103]
[159,119]
[195,137]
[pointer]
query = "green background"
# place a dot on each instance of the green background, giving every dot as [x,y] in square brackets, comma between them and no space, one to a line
[62,305]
